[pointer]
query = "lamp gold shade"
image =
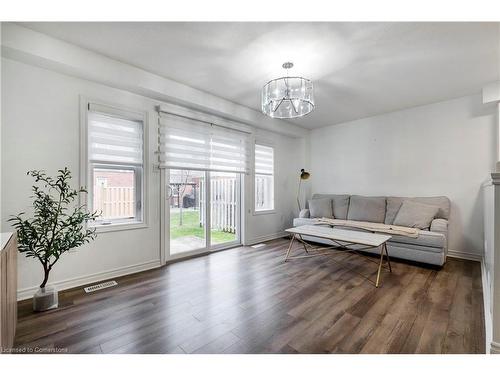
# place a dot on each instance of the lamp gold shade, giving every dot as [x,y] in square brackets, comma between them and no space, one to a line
[303,176]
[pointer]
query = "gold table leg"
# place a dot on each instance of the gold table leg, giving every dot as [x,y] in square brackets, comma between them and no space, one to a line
[380,265]
[303,243]
[382,249]
[387,254]
[298,237]
[289,247]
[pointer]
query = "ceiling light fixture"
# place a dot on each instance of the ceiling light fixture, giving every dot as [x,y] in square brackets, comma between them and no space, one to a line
[288,97]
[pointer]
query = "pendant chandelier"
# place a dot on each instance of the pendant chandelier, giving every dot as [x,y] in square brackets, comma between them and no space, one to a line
[288,97]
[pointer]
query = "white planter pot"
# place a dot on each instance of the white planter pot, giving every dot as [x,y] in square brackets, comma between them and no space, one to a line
[46,298]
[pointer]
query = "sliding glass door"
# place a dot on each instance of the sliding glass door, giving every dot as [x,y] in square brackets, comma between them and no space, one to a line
[204,211]
[187,214]
[202,166]
[224,208]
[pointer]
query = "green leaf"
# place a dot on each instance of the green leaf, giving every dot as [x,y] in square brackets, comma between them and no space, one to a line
[57,224]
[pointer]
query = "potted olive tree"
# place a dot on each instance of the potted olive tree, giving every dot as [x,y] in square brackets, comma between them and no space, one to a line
[57,226]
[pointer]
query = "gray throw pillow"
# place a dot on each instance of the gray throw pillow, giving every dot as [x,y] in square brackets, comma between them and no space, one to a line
[393,206]
[321,207]
[370,209]
[340,204]
[415,215]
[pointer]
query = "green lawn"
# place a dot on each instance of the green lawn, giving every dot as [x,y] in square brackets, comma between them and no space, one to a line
[191,227]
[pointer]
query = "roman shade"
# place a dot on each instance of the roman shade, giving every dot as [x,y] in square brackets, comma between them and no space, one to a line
[264,160]
[114,140]
[186,143]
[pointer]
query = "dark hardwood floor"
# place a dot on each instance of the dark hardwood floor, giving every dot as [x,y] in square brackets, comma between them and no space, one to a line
[248,300]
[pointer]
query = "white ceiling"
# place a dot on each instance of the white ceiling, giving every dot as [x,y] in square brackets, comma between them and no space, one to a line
[358,69]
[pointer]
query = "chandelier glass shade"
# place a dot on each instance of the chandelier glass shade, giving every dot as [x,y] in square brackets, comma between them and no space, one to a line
[288,97]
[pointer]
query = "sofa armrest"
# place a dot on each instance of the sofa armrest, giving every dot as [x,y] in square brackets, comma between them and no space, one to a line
[439,226]
[304,213]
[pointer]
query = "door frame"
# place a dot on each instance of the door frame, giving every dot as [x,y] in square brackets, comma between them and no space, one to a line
[165,256]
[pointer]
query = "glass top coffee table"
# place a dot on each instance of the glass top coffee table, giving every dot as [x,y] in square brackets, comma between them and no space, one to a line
[342,241]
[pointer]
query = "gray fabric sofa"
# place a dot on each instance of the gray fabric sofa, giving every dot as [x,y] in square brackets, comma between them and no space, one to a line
[431,245]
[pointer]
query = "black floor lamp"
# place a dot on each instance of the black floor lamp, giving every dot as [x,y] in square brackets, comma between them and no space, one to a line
[303,176]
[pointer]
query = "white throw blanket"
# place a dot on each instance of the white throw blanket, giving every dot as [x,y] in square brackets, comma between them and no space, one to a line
[374,227]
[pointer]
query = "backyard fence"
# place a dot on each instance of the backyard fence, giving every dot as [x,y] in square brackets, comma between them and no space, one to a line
[223,206]
[263,190]
[114,202]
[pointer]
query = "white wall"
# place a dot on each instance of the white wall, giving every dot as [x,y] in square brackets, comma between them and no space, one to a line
[0,125]
[446,148]
[488,269]
[41,122]
[290,154]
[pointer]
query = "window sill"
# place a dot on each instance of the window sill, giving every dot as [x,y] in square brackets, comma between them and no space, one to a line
[118,227]
[264,212]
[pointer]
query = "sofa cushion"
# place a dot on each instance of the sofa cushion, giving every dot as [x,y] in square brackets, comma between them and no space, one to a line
[304,213]
[415,215]
[432,241]
[394,204]
[340,204]
[321,207]
[299,221]
[370,209]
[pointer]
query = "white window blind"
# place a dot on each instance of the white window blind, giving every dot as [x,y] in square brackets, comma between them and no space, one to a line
[114,140]
[189,144]
[264,160]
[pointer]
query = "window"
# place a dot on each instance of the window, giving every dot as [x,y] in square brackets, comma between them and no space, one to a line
[115,166]
[264,178]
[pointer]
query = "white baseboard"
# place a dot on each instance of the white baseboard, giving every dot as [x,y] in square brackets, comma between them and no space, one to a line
[464,255]
[26,293]
[488,323]
[494,348]
[267,237]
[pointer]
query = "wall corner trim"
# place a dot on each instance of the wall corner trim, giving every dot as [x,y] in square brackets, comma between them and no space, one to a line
[488,324]
[495,178]
[494,347]
[491,92]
